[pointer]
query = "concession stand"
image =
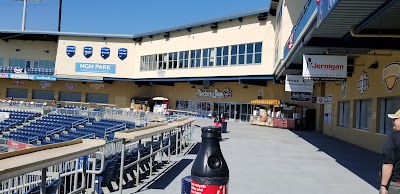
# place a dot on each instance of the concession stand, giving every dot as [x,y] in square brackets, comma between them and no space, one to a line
[273,113]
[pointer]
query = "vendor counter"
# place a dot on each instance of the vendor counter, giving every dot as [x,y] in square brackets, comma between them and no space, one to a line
[284,123]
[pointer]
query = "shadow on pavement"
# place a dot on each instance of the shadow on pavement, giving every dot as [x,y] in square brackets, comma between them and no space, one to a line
[170,175]
[364,163]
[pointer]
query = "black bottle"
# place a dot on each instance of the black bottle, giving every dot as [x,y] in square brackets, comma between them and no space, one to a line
[210,172]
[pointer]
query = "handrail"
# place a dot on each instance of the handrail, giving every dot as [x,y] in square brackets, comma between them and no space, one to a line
[51,132]
[88,135]
[78,122]
[310,4]
[113,129]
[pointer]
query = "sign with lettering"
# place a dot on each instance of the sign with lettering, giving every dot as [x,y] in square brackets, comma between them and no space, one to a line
[324,7]
[362,83]
[296,83]
[95,68]
[224,94]
[301,96]
[105,52]
[390,75]
[17,83]
[122,53]
[87,51]
[324,67]
[70,51]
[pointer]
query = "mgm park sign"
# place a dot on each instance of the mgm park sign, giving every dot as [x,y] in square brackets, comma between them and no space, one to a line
[215,94]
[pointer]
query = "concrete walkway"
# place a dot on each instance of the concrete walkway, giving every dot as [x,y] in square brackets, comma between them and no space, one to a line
[269,160]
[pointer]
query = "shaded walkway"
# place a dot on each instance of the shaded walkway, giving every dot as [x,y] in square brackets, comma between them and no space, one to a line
[362,162]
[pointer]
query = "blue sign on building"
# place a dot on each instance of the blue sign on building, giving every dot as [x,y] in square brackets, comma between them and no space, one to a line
[45,78]
[122,53]
[71,51]
[105,52]
[88,51]
[95,68]
[324,8]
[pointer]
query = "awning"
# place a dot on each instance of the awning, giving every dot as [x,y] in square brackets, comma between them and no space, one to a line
[266,102]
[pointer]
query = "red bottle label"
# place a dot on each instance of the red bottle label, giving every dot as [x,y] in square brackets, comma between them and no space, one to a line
[197,188]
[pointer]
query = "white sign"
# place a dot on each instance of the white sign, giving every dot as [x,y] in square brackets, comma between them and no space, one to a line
[320,100]
[225,94]
[296,83]
[324,67]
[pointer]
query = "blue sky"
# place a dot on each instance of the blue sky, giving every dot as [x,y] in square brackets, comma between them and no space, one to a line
[118,16]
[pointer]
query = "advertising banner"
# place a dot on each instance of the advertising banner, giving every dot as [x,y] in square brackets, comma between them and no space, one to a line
[95,68]
[325,67]
[296,83]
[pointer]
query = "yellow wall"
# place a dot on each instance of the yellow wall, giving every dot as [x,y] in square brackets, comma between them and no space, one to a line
[34,50]
[372,139]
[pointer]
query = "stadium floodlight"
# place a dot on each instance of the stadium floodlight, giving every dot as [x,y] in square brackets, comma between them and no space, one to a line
[24,11]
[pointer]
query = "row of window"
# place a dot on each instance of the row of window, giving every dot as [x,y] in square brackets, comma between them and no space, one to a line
[209,57]
[63,95]
[29,64]
[363,113]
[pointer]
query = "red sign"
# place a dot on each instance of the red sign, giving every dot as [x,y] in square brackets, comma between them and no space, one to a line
[197,188]
[17,83]
[18,145]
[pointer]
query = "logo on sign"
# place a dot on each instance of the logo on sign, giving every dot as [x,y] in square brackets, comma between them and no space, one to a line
[18,70]
[70,86]
[390,75]
[225,94]
[71,51]
[105,52]
[3,75]
[122,53]
[362,83]
[87,51]
[301,96]
[97,86]
[17,83]
[44,84]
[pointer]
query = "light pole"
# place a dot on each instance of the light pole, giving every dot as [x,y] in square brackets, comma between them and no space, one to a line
[24,11]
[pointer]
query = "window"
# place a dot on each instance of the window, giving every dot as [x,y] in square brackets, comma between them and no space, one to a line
[17,93]
[153,62]
[344,113]
[143,63]
[69,96]
[222,56]
[1,62]
[208,57]
[184,59]
[162,61]
[387,106]
[173,60]
[17,63]
[43,94]
[363,114]
[30,64]
[97,98]
[258,52]
[195,56]
[234,54]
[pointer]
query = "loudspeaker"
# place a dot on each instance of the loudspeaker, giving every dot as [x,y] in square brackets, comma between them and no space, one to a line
[206,84]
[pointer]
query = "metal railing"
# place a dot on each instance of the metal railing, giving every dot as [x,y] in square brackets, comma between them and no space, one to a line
[78,122]
[308,10]
[114,129]
[33,139]
[88,136]
[51,132]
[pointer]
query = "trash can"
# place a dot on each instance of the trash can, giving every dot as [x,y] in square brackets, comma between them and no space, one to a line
[224,127]
[186,184]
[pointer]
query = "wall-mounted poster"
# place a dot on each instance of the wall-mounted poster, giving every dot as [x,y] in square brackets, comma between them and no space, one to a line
[390,75]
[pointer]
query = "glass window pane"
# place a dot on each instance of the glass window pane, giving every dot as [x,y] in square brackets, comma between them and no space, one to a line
[225,61]
[233,49]
[233,60]
[205,52]
[241,59]
[250,48]
[241,49]
[249,59]
[257,58]
[219,61]
[192,54]
[226,50]
[219,51]
[198,53]
[258,47]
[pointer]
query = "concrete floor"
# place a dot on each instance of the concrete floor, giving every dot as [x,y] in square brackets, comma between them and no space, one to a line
[269,160]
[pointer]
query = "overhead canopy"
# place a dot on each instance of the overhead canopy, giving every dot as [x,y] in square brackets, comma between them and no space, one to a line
[266,102]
